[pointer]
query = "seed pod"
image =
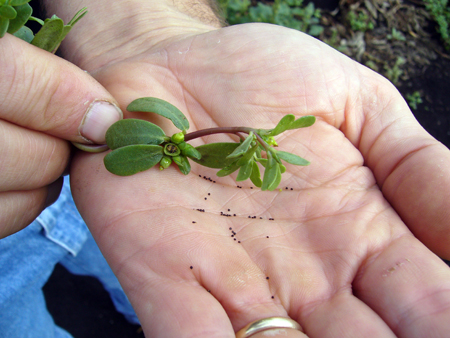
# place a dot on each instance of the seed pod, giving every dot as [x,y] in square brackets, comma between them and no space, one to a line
[165,162]
[177,138]
[171,149]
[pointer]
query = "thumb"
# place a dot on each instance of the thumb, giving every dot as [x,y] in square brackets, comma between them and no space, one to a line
[43,92]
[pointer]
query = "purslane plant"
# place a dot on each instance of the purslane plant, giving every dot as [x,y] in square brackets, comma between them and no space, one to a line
[14,14]
[138,145]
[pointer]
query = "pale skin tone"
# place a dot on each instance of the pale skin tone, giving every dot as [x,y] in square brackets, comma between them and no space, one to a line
[341,257]
[43,103]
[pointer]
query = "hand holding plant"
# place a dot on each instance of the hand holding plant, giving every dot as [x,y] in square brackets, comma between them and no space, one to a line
[216,256]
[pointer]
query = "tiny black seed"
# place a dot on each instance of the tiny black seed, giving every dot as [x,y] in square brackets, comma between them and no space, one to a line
[191,267]
[292,189]
[229,210]
[234,238]
[230,228]
[239,241]
[205,198]
[234,214]
[273,297]
[209,194]
[287,188]
[267,277]
[194,222]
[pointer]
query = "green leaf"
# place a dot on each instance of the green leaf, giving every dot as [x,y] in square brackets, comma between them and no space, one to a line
[183,163]
[4,24]
[302,122]
[53,32]
[23,14]
[160,107]
[283,125]
[7,12]
[245,171]
[133,159]
[255,177]
[18,2]
[133,131]
[48,37]
[25,34]
[272,174]
[288,122]
[228,169]
[292,158]
[243,147]
[78,15]
[214,155]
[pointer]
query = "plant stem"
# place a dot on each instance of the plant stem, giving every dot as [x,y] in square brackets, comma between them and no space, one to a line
[219,130]
[226,130]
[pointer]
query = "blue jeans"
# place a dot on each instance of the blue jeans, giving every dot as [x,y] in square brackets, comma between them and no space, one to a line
[27,259]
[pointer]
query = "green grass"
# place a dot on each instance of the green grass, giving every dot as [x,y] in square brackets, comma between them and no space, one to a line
[288,13]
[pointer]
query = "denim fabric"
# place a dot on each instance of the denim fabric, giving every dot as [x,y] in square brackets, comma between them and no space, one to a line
[27,259]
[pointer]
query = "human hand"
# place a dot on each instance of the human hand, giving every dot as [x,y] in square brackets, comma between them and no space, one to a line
[44,101]
[338,257]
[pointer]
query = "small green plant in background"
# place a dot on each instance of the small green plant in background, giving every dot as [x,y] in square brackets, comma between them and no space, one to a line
[288,13]
[414,99]
[359,21]
[14,14]
[138,145]
[440,11]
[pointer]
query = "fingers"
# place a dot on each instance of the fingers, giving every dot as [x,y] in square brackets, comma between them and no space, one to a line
[408,287]
[45,93]
[30,159]
[43,100]
[411,167]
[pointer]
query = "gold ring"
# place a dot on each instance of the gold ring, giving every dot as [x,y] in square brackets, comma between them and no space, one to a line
[266,324]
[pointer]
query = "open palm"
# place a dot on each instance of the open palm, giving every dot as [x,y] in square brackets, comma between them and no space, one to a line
[202,256]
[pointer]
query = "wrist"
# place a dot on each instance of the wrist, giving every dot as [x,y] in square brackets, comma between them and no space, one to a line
[113,31]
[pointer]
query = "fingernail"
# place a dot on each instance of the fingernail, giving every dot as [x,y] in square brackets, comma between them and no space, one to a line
[99,117]
[53,192]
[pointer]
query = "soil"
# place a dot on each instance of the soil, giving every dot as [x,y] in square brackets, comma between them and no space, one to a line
[83,307]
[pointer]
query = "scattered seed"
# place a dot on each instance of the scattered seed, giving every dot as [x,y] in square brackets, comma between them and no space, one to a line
[271,219]
[191,267]
[267,277]
[194,222]
[273,297]
[239,241]
[292,188]
[267,236]
[205,198]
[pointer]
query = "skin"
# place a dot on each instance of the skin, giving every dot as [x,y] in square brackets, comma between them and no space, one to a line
[43,103]
[350,249]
